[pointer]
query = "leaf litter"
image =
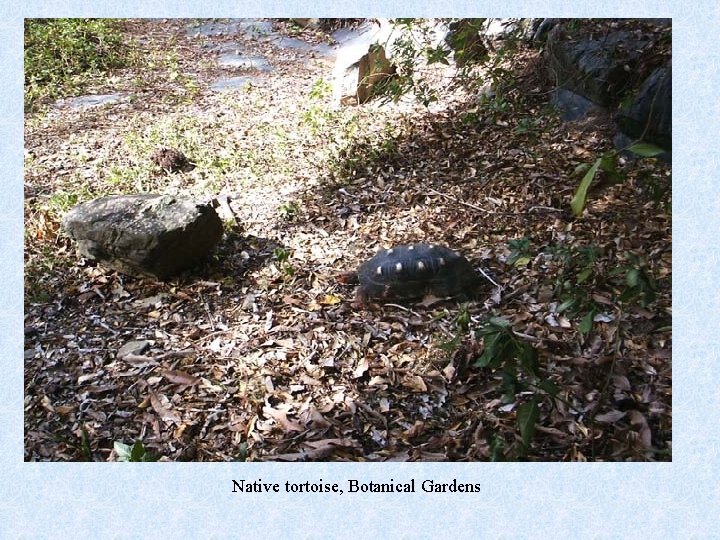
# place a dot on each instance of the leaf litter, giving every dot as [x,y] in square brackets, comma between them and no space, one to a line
[259,353]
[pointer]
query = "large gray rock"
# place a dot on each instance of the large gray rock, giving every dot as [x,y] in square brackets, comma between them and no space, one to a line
[144,234]
[600,67]
[607,70]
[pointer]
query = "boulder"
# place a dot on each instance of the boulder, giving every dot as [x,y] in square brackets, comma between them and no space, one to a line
[572,106]
[144,234]
[649,116]
[617,69]
[541,28]
[601,68]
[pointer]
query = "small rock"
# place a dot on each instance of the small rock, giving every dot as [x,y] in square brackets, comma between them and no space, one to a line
[133,347]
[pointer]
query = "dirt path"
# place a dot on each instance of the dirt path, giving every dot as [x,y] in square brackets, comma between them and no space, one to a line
[259,354]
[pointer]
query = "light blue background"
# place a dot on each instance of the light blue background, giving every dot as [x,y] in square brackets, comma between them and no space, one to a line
[666,500]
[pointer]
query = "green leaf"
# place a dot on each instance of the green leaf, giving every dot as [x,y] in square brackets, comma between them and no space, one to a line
[497,449]
[633,277]
[587,322]
[648,297]
[567,304]
[522,261]
[608,164]
[452,345]
[578,201]
[645,149]
[581,169]
[484,360]
[529,359]
[499,321]
[137,452]
[527,416]
[122,450]
[549,387]
[582,276]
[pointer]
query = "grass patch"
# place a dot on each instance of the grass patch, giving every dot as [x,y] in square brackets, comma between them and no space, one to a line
[62,56]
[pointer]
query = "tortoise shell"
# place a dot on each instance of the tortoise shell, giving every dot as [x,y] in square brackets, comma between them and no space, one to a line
[411,271]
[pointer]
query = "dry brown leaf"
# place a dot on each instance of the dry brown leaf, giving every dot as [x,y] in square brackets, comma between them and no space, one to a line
[180,377]
[281,417]
[415,382]
[165,413]
[610,417]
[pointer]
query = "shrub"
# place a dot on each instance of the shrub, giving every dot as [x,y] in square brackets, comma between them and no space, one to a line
[61,54]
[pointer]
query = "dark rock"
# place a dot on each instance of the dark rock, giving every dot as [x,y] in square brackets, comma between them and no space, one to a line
[600,68]
[541,28]
[144,234]
[572,106]
[649,116]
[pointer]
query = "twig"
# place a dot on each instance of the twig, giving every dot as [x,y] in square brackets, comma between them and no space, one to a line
[536,339]
[488,277]
[546,208]
[403,308]
[454,199]
[616,353]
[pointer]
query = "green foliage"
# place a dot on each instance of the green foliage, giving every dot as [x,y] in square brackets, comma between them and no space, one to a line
[645,150]
[519,252]
[363,150]
[282,256]
[135,452]
[318,116]
[61,201]
[289,211]
[465,41]
[639,284]
[577,281]
[451,345]
[321,90]
[503,350]
[528,415]
[61,54]
[578,201]
[85,449]
[530,127]
[583,274]
[463,318]
[497,449]
[417,47]
[608,164]
[519,368]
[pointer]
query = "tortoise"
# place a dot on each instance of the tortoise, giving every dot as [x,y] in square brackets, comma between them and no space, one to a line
[413,270]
